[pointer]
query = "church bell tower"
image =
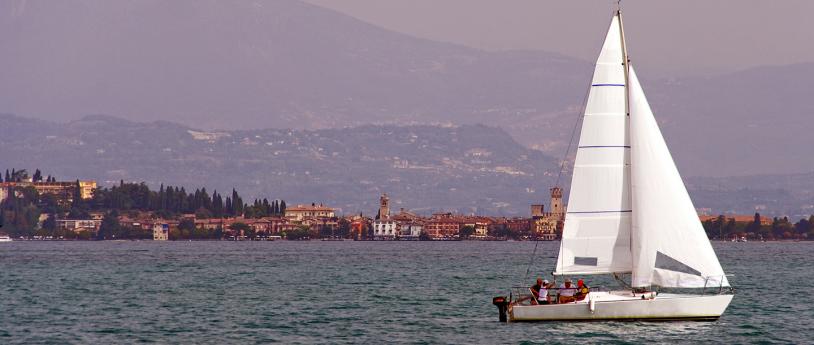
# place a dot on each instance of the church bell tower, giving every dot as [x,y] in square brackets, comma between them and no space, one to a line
[384,207]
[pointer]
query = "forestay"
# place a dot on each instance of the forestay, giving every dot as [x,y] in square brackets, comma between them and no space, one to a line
[670,247]
[596,233]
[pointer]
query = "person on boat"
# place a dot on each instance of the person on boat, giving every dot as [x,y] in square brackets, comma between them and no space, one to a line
[582,290]
[542,294]
[567,292]
[535,289]
[535,292]
[552,292]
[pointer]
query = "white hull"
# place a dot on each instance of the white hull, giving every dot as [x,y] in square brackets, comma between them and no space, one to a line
[622,305]
[5,239]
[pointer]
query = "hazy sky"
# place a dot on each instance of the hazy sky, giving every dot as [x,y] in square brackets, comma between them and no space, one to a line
[674,37]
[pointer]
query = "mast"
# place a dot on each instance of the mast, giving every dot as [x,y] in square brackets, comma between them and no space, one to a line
[626,65]
[625,58]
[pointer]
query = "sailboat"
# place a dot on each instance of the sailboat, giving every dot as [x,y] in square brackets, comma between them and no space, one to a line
[629,214]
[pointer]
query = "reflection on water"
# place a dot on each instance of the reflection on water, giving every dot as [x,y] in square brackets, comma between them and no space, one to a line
[228,292]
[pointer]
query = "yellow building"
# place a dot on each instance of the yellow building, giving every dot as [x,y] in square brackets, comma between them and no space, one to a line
[86,188]
[300,212]
[63,191]
[161,232]
[548,225]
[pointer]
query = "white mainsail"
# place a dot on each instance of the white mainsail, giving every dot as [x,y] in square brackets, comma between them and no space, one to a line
[670,247]
[596,235]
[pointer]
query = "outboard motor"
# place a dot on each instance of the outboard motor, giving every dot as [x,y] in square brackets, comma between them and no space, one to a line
[502,304]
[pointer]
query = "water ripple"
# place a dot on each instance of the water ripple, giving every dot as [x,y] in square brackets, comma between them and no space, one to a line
[347,292]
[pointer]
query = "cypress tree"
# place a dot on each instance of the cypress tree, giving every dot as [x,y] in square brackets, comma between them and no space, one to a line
[77,194]
[217,204]
[162,198]
[177,198]
[237,203]
[183,204]
[206,202]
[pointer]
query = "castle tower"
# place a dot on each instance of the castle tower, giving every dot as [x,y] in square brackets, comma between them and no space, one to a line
[537,211]
[384,207]
[557,207]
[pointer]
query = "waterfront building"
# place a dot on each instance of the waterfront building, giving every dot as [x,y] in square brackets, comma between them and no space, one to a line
[479,224]
[79,225]
[325,226]
[359,226]
[518,225]
[145,222]
[209,223]
[161,232]
[300,212]
[385,229]
[63,191]
[548,225]
[411,230]
[270,225]
[405,216]
[442,225]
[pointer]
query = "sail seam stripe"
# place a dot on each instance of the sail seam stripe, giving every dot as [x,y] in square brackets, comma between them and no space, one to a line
[607,84]
[603,146]
[602,165]
[617,211]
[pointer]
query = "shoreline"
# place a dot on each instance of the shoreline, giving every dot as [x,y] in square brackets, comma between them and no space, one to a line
[347,240]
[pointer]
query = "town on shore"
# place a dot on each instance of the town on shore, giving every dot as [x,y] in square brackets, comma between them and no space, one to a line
[41,208]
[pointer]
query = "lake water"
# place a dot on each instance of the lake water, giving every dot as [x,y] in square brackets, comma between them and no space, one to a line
[350,292]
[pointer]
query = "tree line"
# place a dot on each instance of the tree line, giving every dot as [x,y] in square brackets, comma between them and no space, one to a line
[171,201]
[22,175]
[780,228]
[22,208]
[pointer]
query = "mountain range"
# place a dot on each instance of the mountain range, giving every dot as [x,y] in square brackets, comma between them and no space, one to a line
[234,66]
[471,169]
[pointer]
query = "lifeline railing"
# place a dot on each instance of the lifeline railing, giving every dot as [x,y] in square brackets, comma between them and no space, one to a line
[720,285]
[523,293]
